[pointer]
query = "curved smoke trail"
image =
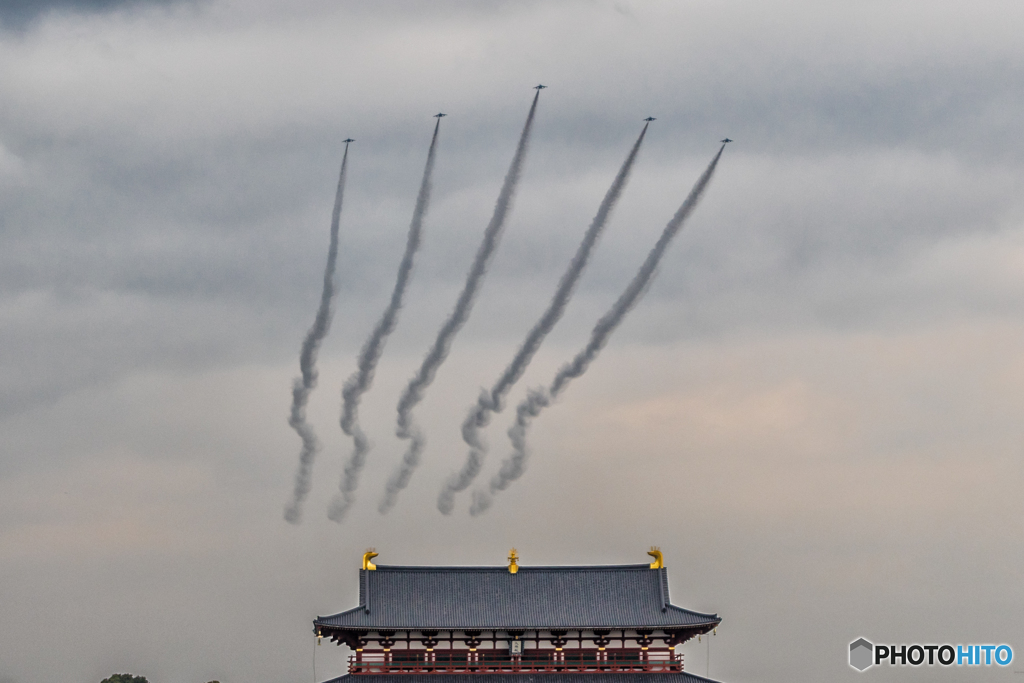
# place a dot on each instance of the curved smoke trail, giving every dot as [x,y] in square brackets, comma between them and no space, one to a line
[538,399]
[359,382]
[303,386]
[413,394]
[494,401]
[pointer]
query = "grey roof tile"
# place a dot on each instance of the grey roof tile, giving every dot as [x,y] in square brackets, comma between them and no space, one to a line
[491,598]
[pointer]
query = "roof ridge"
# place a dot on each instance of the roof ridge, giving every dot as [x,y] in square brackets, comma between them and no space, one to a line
[504,568]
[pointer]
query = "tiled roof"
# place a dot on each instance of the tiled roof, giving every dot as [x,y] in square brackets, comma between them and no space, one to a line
[491,598]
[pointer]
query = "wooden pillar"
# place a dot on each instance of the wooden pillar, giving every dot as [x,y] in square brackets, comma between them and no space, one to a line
[602,639]
[429,641]
[644,640]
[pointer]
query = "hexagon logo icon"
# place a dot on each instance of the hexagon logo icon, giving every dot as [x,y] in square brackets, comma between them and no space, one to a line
[861,654]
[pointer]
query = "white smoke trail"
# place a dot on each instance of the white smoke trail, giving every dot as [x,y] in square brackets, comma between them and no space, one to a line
[406,428]
[361,380]
[515,464]
[494,401]
[303,386]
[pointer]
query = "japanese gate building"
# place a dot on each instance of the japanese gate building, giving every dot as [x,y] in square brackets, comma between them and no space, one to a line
[512,624]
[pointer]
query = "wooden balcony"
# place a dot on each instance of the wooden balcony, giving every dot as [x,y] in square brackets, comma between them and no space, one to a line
[654,660]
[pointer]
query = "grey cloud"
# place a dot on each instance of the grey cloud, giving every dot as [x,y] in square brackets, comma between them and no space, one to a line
[848,293]
[20,14]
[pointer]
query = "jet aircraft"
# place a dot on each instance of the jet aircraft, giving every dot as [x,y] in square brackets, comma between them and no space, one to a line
[437,116]
[348,140]
[650,118]
[727,140]
[539,87]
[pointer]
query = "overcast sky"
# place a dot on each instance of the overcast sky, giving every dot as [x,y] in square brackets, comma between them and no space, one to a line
[817,410]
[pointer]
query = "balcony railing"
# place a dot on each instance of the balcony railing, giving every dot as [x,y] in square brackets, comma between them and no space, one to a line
[500,661]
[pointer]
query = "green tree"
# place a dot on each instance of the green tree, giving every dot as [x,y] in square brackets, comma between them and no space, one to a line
[125,678]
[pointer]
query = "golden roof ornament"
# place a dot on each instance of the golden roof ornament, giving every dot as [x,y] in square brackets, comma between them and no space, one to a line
[512,557]
[367,556]
[659,561]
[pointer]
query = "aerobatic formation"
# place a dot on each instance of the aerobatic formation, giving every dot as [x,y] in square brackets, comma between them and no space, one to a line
[414,391]
[537,399]
[492,401]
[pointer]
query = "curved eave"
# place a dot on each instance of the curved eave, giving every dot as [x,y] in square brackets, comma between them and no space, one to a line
[702,620]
